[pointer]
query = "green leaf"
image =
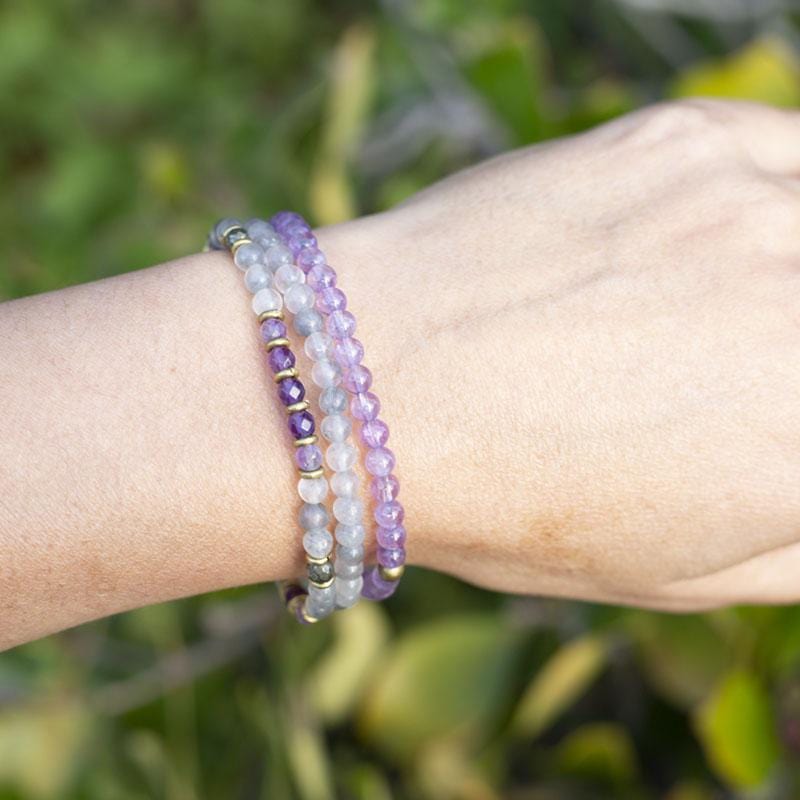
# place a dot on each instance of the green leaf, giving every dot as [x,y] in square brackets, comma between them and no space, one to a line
[560,682]
[600,751]
[737,728]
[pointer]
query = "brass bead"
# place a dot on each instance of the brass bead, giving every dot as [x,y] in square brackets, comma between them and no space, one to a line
[281,341]
[238,243]
[300,406]
[285,373]
[312,473]
[270,315]
[308,440]
[307,617]
[313,560]
[391,573]
[297,600]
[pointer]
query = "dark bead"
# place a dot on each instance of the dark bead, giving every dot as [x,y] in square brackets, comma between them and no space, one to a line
[291,390]
[320,574]
[301,424]
[281,358]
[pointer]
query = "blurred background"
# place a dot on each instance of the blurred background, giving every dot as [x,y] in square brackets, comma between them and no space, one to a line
[125,129]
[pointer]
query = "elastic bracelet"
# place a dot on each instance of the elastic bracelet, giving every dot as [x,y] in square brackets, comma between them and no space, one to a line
[381,580]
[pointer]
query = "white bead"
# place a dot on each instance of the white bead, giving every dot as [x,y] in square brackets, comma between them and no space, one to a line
[348,510]
[336,427]
[256,278]
[326,374]
[258,227]
[299,297]
[288,275]
[350,554]
[341,456]
[248,254]
[318,345]
[350,535]
[345,570]
[266,300]
[318,543]
[348,590]
[345,483]
[312,490]
[278,255]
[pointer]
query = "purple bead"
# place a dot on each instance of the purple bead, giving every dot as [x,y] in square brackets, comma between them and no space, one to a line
[292,591]
[284,218]
[299,243]
[320,277]
[379,461]
[365,406]
[357,379]
[297,227]
[291,390]
[385,488]
[391,556]
[301,424]
[341,324]
[272,329]
[330,300]
[391,537]
[308,457]
[375,587]
[348,352]
[389,515]
[375,433]
[309,258]
[280,358]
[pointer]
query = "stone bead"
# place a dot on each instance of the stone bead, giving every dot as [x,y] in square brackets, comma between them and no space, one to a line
[379,461]
[291,391]
[283,218]
[288,275]
[341,324]
[349,588]
[301,424]
[375,587]
[330,300]
[321,600]
[278,255]
[313,515]
[318,542]
[391,556]
[308,321]
[333,400]
[312,490]
[318,346]
[308,457]
[266,299]
[350,535]
[348,352]
[303,241]
[389,514]
[384,488]
[345,570]
[348,510]
[247,255]
[350,554]
[341,456]
[280,358]
[390,537]
[356,379]
[299,297]
[256,278]
[309,258]
[345,483]
[272,329]
[223,225]
[336,427]
[375,433]
[295,227]
[267,240]
[320,573]
[258,227]
[326,374]
[365,406]
[321,276]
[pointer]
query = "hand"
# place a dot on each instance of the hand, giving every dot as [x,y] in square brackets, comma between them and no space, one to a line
[594,350]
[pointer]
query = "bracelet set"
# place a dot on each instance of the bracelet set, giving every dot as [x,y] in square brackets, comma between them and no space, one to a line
[285,269]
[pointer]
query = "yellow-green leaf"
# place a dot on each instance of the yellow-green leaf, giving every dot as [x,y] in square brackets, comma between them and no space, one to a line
[599,751]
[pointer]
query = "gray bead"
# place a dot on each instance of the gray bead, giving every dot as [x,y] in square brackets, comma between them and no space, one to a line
[320,573]
[258,227]
[333,400]
[349,535]
[345,570]
[350,554]
[313,515]
[222,226]
[308,321]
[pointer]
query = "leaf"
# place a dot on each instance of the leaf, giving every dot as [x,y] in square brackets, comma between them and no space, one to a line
[445,678]
[737,728]
[601,751]
[559,683]
[767,70]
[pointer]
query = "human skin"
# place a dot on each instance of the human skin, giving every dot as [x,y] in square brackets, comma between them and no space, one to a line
[588,353]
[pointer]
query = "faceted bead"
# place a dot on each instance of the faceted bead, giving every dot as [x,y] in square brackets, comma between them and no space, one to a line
[389,514]
[345,483]
[350,535]
[266,299]
[350,554]
[313,515]
[348,352]
[321,276]
[247,255]
[357,379]
[391,557]
[308,258]
[320,573]
[280,358]
[375,433]
[288,275]
[312,490]
[330,300]
[308,321]
[277,255]
[256,278]
[299,297]
[301,424]
[318,346]
[365,406]
[390,537]
[318,543]
[333,400]
[291,391]
[308,457]
[336,427]
[385,488]
[341,456]
[348,510]
[379,461]
[326,374]
[272,329]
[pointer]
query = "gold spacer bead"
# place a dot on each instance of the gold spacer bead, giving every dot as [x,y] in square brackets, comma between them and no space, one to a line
[285,373]
[297,600]
[307,617]
[391,573]
[322,585]
[308,440]
[313,560]
[238,243]
[281,341]
[312,473]
[270,315]
[301,406]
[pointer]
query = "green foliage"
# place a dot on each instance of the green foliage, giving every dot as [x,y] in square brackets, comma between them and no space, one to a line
[125,130]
